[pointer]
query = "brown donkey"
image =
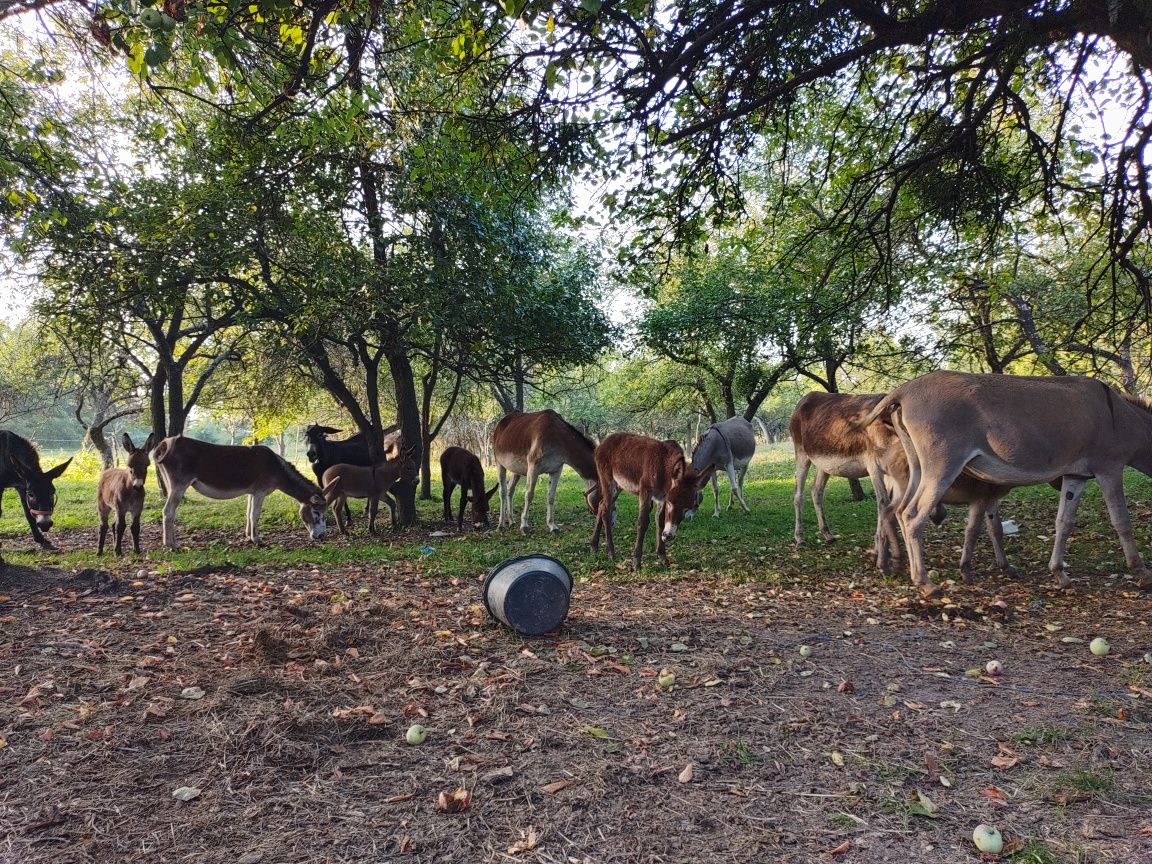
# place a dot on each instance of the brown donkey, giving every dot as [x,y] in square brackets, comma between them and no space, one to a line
[653,471]
[460,467]
[344,481]
[224,471]
[540,442]
[1012,430]
[122,490]
[826,433]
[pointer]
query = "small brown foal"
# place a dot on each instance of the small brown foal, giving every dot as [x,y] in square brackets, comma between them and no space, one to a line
[122,490]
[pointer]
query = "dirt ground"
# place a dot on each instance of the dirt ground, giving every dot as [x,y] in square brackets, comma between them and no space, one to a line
[878,747]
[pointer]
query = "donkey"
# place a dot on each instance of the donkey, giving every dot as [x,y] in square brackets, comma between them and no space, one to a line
[653,471]
[460,467]
[20,470]
[826,432]
[728,445]
[541,442]
[222,471]
[122,490]
[1011,431]
[344,481]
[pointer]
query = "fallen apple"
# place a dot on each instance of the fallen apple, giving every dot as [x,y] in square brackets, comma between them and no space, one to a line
[805,650]
[994,668]
[988,839]
[416,734]
[1099,646]
[666,679]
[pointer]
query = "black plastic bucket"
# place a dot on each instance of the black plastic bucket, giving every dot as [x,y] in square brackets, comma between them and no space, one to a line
[529,593]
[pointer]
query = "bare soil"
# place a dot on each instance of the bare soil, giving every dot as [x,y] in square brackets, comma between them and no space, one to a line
[876,748]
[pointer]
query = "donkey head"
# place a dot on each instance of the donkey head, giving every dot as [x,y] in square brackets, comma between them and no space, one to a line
[138,459]
[683,494]
[39,491]
[314,511]
[592,496]
[315,435]
[480,507]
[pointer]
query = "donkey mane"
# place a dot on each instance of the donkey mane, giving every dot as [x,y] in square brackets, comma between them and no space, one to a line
[294,472]
[1141,402]
[17,449]
[578,433]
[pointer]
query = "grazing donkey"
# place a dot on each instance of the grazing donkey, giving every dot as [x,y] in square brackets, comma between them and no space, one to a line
[343,481]
[223,471]
[826,432]
[122,490]
[460,467]
[1013,430]
[20,470]
[728,445]
[653,471]
[541,442]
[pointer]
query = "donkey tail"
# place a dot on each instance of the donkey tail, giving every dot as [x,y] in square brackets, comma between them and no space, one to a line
[161,451]
[884,407]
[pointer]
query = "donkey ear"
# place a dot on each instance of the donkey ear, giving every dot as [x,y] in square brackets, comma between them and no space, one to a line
[53,473]
[129,447]
[331,485]
[150,442]
[678,469]
[491,492]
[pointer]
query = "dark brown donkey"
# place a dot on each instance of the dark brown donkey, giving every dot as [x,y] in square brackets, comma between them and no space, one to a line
[654,471]
[122,490]
[223,471]
[540,442]
[460,467]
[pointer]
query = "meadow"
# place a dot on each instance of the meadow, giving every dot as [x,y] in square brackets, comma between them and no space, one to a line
[750,702]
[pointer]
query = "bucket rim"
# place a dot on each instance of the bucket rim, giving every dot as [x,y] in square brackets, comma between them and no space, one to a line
[503,564]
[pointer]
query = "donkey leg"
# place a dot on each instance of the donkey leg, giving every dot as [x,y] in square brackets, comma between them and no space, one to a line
[529,494]
[136,532]
[818,487]
[642,522]
[255,505]
[449,488]
[715,496]
[505,505]
[737,490]
[1071,490]
[121,524]
[1112,488]
[103,533]
[977,510]
[802,465]
[373,505]
[463,502]
[553,485]
[995,529]
[175,496]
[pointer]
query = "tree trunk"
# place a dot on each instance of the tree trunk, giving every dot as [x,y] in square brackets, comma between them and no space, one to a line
[156,408]
[408,413]
[99,441]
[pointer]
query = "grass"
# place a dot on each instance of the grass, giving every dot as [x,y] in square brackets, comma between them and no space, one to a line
[1085,780]
[743,547]
[1034,852]
[1044,736]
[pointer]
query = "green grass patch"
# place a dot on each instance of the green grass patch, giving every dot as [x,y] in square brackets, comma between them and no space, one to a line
[754,547]
[1044,736]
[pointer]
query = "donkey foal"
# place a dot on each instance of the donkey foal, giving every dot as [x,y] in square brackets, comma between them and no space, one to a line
[344,481]
[122,490]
